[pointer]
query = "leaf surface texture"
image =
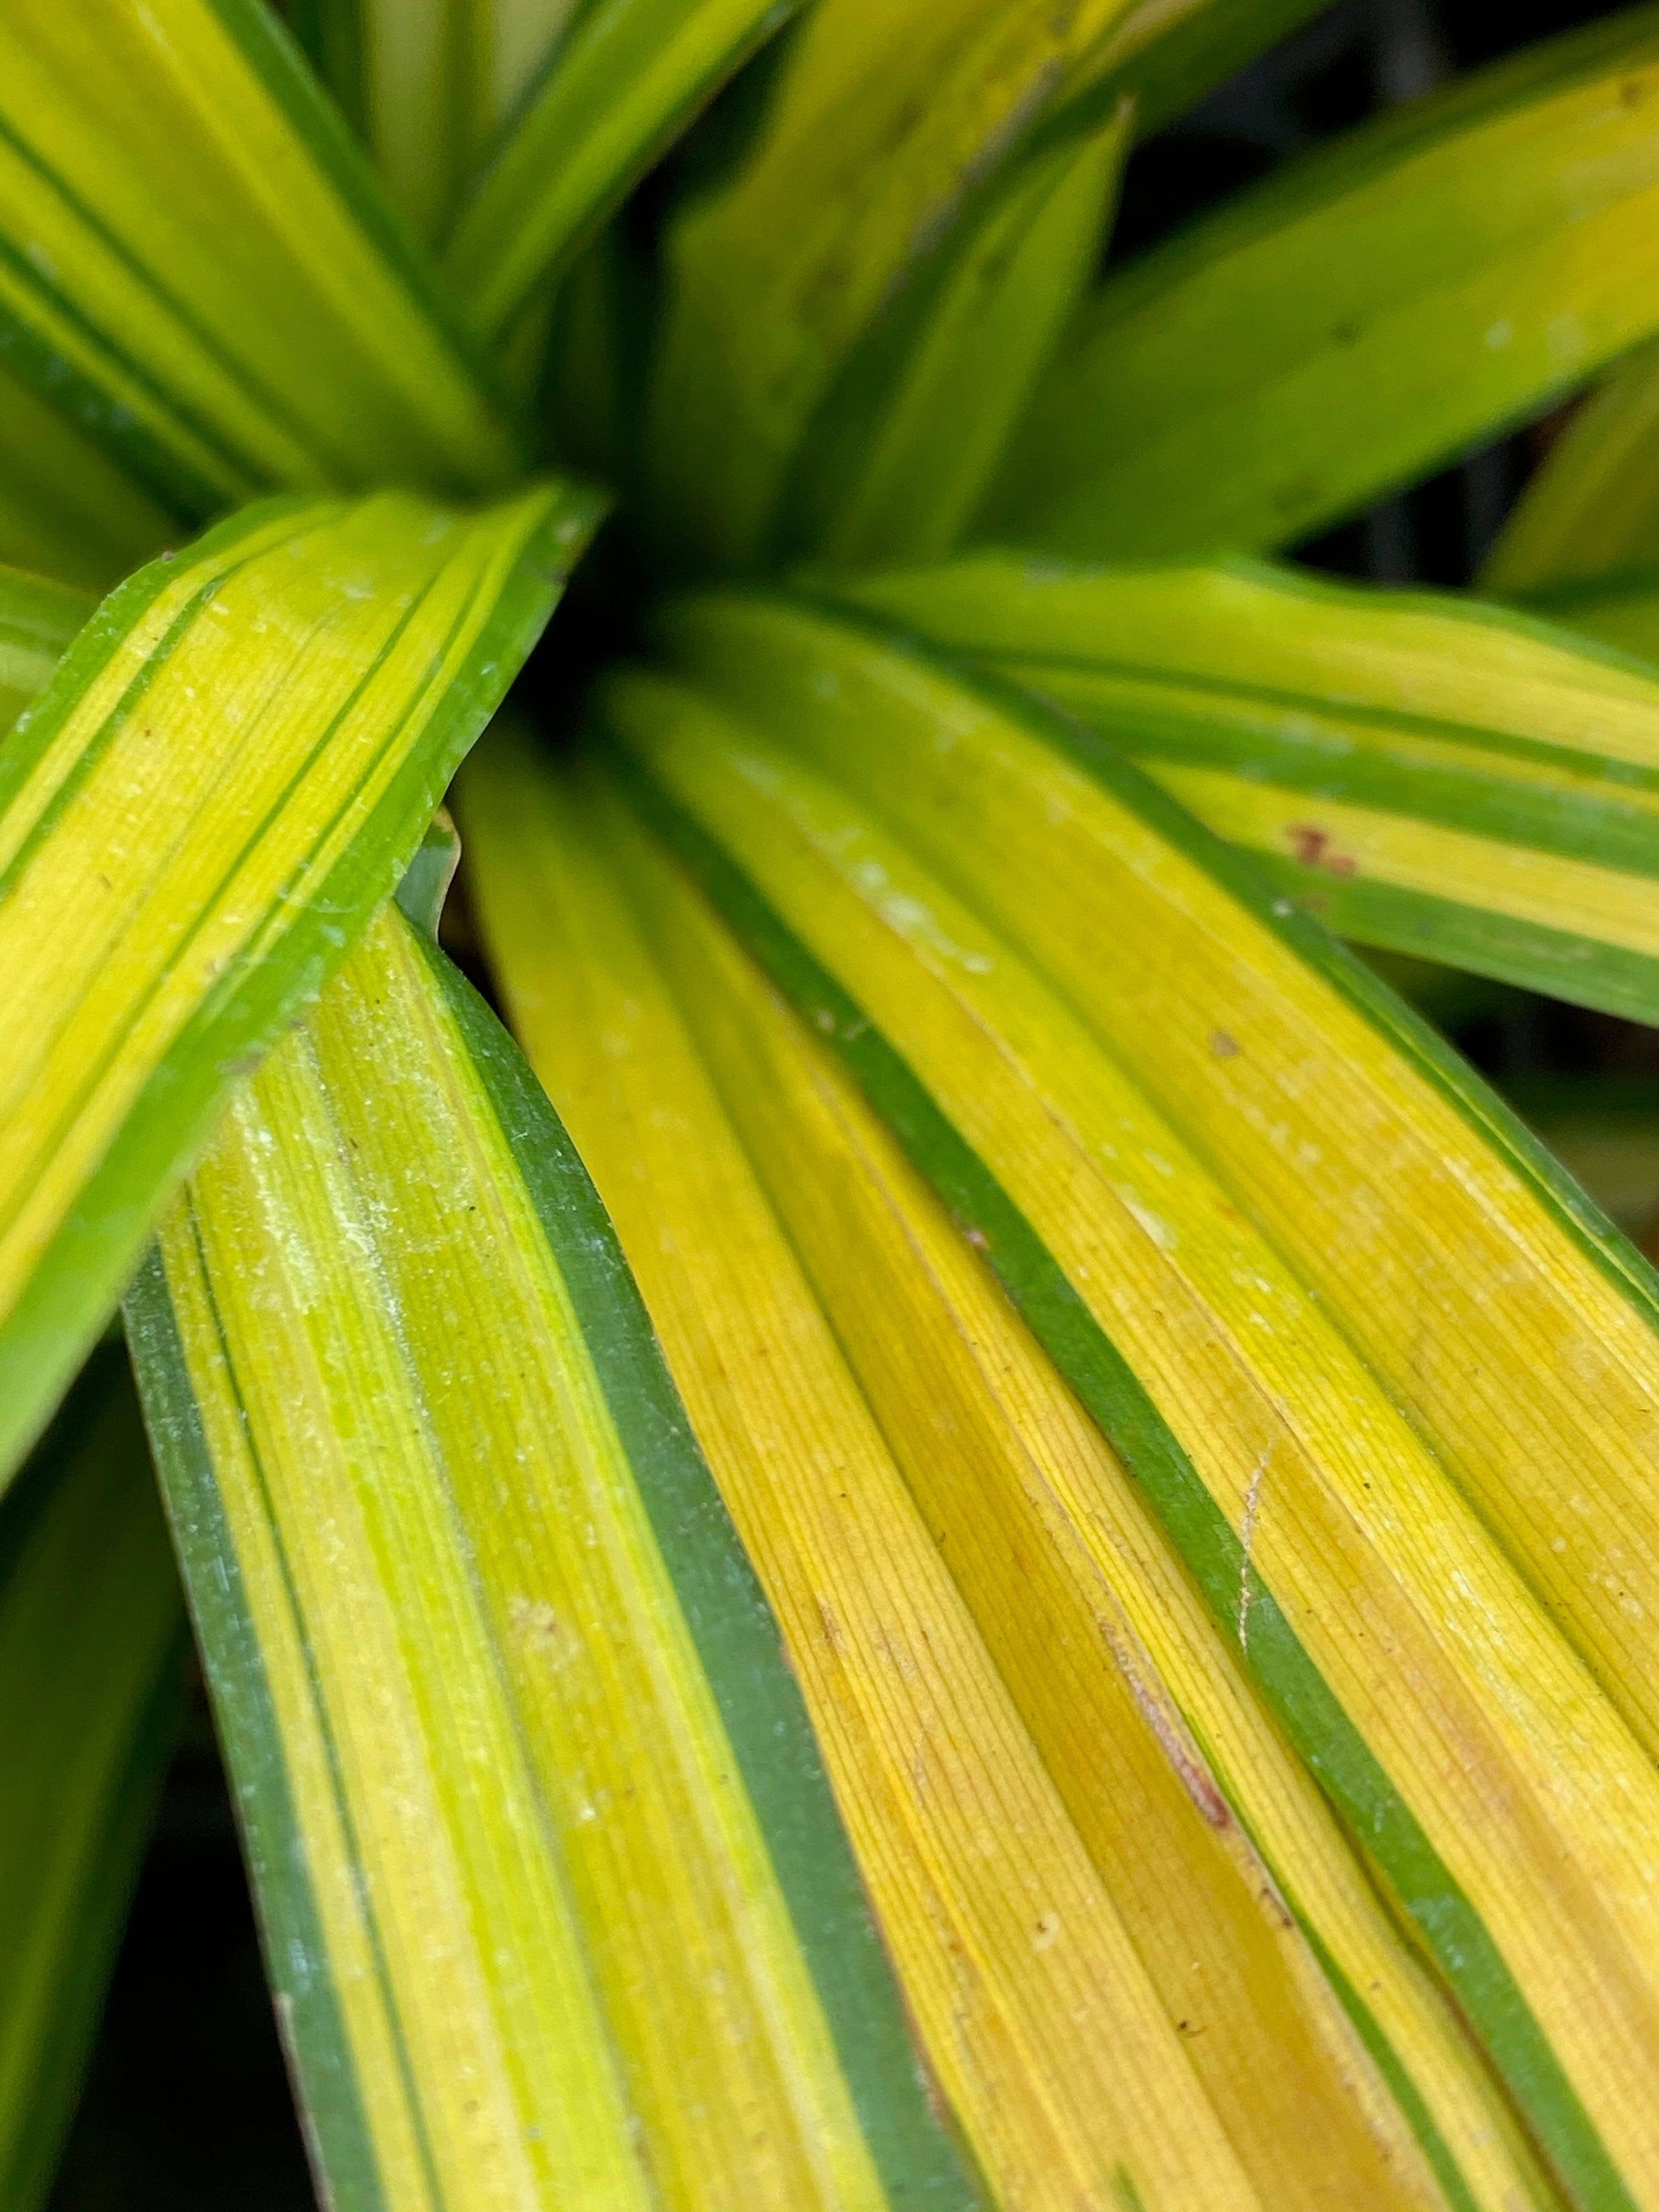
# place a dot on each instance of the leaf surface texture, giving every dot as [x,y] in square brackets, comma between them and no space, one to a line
[1159,1107]
[968,1546]
[221,782]
[556,1902]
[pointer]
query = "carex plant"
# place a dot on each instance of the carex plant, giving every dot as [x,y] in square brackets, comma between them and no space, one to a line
[977,1532]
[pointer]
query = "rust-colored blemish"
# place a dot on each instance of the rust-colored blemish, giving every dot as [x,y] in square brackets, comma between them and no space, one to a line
[1314,849]
[1195,1776]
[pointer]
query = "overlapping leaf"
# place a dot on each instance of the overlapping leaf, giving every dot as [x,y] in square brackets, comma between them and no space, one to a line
[67,509]
[296,341]
[1427,775]
[1359,317]
[1165,57]
[1389,1384]
[900,453]
[980,1609]
[38,621]
[220,784]
[886,118]
[92,1638]
[556,1904]
[428,88]
[1605,1131]
[1622,608]
[629,73]
[1591,508]
[1580,544]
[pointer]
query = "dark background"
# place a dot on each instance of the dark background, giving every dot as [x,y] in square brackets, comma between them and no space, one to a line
[186,2106]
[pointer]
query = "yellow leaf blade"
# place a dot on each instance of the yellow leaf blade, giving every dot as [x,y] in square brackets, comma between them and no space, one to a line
[428,87]
[297,342]
[681,1101]
[1163,1107]
[1425,773]
[526,1776]
[223,779]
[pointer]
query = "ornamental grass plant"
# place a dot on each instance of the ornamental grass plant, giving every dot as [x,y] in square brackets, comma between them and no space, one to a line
[894,1496]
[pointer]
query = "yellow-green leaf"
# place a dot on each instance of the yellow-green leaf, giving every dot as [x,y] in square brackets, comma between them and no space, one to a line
[92,1646]
[980,1611]
[556,1906]
[1423,773]
[625,78]
[428,86]
[886,117]
[1591,508]
[66,508]
[295,342]
[1360,316]
[1621,609]
[222,781]
[899,455]
[38,620]
[1391,1386]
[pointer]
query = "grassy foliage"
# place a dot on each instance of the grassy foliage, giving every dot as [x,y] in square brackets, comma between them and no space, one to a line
[980,1530]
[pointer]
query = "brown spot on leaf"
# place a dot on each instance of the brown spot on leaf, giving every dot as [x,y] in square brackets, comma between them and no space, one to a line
[1314,849]
[1223,1045]
[1183,1754]
[1275,1906]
